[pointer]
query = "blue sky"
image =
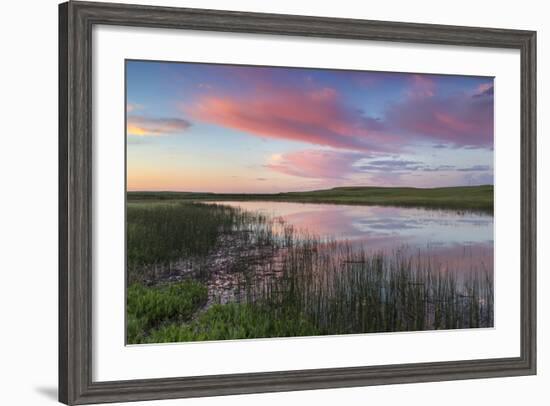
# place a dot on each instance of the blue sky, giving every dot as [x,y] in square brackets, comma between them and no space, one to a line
[227,128]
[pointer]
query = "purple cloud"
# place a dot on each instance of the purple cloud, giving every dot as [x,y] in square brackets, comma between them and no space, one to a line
[459,120]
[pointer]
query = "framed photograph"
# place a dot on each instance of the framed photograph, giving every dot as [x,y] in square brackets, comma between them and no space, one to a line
[257,202]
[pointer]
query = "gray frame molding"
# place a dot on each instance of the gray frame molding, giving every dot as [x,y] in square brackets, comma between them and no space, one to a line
[76,20]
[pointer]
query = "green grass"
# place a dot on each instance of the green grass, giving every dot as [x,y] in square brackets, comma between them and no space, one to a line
[148,307]
[164,232]
[236,321]
[456,198]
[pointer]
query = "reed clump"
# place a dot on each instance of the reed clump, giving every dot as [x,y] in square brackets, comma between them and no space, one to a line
[345,291]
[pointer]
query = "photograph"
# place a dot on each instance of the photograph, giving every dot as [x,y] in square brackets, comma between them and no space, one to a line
[268,202]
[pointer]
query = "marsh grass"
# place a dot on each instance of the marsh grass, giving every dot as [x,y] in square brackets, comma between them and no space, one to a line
[344,290]
[304,285]
[158,233]
[161,234]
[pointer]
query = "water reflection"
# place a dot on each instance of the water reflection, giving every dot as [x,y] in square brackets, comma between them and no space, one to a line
[456,240]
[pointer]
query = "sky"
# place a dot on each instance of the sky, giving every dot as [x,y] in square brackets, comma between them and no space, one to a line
[251,129]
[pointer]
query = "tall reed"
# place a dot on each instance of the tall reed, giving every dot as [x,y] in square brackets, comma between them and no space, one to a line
[345,289]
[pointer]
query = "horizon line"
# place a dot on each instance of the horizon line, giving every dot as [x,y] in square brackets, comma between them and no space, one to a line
[309,190]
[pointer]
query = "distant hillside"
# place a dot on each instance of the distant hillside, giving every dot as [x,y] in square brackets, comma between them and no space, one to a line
[459,198]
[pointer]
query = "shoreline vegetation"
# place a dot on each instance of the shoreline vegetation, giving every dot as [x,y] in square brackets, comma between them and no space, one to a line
[469,198]
[207,271]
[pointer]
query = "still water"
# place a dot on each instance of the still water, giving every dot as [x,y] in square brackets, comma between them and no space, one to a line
[457,240]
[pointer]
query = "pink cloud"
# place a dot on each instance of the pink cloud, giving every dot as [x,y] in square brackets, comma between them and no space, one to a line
[482,88]
[319,164]
[320,115]
[315,116]
[422,87]
[485,90]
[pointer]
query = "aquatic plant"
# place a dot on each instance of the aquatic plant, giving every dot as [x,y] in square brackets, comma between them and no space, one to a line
[289,282]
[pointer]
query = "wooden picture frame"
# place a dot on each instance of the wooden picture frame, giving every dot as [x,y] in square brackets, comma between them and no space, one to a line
[76,20]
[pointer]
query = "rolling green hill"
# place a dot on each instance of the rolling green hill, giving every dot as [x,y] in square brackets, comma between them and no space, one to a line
[458,198]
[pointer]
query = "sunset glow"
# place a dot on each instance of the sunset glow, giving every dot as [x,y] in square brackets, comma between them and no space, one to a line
[225,128]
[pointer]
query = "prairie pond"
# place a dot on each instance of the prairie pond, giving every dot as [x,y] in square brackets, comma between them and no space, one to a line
[460,240]
[249,269]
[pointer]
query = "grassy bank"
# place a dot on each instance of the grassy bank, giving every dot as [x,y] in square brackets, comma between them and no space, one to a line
[148,308]
[373,297]
[232,322]
[456,198]
[301,285]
